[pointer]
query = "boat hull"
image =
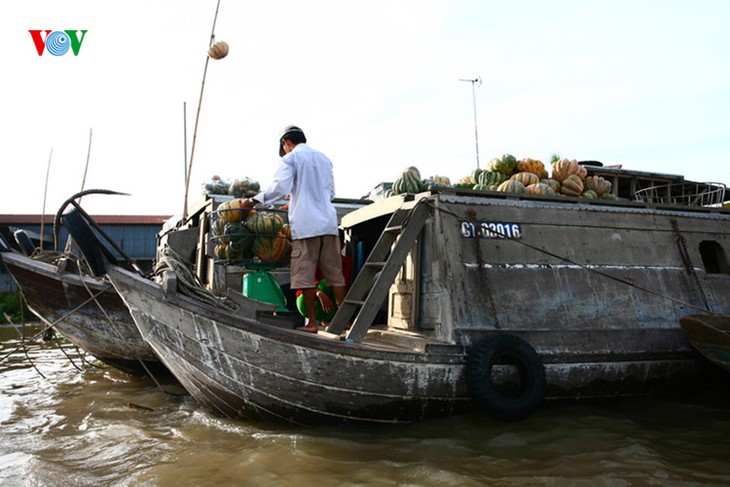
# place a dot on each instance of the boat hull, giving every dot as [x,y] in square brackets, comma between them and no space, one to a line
[710,335]
[87,311]
[248,369]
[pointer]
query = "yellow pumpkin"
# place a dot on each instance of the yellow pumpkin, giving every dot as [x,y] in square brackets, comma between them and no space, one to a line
[564,168]
[526,178]
[598,184]
[572,186]
[531,165]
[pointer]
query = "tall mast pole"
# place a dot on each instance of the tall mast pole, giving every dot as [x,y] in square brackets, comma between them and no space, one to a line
[197,118]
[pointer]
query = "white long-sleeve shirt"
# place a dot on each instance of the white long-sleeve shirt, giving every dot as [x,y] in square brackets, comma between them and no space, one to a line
[307,176]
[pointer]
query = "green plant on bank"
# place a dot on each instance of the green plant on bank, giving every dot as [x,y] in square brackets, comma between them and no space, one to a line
[10,306]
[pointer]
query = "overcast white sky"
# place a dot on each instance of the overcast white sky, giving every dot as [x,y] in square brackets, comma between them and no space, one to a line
[374,84]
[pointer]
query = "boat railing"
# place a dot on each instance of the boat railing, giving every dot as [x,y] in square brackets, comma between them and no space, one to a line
[685,193]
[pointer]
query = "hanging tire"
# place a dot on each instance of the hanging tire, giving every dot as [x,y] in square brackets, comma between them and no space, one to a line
[523,398]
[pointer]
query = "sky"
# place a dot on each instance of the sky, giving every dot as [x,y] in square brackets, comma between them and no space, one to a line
[375,86]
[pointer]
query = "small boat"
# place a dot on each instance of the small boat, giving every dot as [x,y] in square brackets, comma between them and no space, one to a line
[62,290]
[463,300]
[710,335]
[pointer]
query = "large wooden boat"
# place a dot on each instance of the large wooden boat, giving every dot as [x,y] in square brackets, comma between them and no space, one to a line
[494,300]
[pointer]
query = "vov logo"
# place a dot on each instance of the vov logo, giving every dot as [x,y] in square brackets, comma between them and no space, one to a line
[58,42]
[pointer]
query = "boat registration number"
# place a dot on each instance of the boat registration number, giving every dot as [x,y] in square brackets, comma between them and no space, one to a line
[490,230]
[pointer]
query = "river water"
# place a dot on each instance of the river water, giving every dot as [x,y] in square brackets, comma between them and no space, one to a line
[97,426]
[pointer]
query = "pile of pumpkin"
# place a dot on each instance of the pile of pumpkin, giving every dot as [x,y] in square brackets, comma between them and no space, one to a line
[507,174]
[244,234]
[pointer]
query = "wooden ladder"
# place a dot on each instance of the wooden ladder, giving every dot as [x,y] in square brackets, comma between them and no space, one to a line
[370,288]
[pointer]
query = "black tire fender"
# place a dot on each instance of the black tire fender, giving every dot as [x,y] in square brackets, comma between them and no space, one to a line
[499,349]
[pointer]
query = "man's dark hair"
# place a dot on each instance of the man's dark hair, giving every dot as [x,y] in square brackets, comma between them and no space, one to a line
[295,137]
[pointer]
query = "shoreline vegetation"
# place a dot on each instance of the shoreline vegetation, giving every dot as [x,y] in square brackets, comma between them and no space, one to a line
[13,310]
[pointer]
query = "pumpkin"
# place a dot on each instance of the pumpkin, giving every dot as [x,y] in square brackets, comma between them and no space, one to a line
[481,187]
[475,175]
[598,184]
[286,231]
[564,168]
[220,250]
[464,182]
[505,164]
[539,188]
[239,249]
[235,210]
[217,227]
[511,186]
[409,181]
[572,186]
[273,249]
[437,182]
[264,223]
[238,236]
[489,178]
[553,183]
[589,194]
[441,180]
[219,50]
[531,165]
[526,178]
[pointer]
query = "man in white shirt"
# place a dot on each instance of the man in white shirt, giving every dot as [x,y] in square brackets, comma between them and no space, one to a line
[306,176]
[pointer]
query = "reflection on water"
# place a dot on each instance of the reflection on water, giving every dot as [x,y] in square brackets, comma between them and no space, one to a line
[102,427]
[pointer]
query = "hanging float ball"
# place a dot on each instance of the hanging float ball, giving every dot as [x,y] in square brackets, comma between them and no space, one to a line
[219,50]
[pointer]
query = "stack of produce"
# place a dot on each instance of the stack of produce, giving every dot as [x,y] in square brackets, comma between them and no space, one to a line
[244,188]
[507,174]
[240,188]
[574,181]
[216,185]
[243,234]
[437,182]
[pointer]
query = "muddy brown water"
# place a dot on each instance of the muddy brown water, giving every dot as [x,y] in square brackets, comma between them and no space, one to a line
[98,426]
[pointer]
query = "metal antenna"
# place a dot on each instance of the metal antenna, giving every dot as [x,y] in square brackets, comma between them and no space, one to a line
[473,82]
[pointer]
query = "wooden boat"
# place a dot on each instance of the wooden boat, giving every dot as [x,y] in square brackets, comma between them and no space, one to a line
[710,335]
[494,300]
[85,309]
[62,291]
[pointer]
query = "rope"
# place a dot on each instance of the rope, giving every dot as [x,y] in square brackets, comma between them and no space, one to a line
[22,338]
[188,283]
[584,266]
[51,325]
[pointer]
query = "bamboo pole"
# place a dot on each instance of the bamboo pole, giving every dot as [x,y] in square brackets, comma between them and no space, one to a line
[83,185]
[45,194]
[197,117]
[86,168]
